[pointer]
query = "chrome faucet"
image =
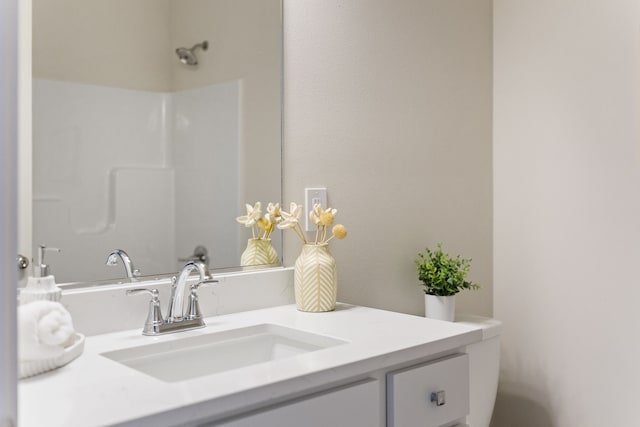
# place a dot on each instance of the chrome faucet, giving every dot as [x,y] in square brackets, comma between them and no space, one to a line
[129,269]
[176,300]
[178,319]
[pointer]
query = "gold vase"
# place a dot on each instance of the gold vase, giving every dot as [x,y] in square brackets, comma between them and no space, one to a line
[315,280]
[259,252]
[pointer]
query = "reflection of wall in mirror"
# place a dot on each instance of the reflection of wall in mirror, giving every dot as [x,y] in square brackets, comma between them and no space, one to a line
[101,180]
[136,66]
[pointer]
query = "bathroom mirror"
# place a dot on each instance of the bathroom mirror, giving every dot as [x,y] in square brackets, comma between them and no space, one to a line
[154,122]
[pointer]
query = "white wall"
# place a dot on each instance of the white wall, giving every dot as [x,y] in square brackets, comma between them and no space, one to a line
[118,43]
[143,171]
[567,209]
[8,212]
[388,104]
[207,181]
[75,41]
[244,44]
[102,178]
[25,181]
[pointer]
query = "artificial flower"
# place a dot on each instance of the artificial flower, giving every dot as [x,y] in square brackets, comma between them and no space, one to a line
[266,225]
[253,213]
[318,216]
[322,217]
[339,231]
[256,221]
[290,219]
[274,213]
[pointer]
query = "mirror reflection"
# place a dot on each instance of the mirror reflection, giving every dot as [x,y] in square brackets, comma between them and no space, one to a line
[154,123]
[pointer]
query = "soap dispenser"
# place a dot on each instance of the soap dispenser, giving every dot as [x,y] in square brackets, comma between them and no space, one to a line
[41,285]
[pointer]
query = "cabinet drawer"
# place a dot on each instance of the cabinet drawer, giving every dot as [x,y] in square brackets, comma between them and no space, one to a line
[410,390]
[355,405]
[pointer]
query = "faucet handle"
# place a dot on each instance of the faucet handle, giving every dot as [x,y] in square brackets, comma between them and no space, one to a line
[193,309]
[203,283]
[154,315]
[153,292]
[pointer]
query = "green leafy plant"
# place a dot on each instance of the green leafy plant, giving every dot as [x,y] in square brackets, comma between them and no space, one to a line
[441,274]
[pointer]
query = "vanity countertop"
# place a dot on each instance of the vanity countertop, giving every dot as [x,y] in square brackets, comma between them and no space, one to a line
[94,390]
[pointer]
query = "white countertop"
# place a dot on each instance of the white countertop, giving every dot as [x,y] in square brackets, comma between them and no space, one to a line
[96,391]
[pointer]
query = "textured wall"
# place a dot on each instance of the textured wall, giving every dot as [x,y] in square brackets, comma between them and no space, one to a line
[388,104]
[117,43]
[566,173]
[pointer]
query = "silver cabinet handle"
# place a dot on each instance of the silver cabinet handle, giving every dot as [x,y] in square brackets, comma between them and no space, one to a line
[23,262]
[439,398]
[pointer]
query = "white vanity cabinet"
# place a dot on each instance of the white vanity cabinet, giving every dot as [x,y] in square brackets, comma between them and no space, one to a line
[431,394]
[381,374]
[354,406]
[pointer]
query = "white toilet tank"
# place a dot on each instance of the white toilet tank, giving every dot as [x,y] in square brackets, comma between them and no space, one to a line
[484,368]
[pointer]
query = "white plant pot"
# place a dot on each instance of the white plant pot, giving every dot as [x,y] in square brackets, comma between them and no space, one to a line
[441,308]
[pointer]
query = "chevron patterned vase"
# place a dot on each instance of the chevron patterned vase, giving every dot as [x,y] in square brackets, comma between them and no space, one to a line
[259,252]
[315,280]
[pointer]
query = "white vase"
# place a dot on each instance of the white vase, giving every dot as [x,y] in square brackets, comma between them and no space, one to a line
[315,280]
[440,308]
[259,252]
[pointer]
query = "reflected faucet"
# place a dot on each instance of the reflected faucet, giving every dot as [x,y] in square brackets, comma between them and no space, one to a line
[200,254]
[129,269]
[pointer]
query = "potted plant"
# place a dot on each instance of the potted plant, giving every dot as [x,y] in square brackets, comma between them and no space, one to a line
[442,277]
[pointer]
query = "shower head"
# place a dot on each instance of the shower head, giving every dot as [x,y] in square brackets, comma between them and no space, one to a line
[187,56]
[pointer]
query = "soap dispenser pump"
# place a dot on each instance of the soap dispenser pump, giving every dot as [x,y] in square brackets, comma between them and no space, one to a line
[41,285]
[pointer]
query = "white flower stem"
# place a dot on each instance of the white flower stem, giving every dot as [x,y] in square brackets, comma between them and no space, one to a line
[300,235]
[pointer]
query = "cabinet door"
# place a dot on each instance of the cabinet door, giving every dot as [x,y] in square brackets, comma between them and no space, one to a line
[429,395]
[351,406]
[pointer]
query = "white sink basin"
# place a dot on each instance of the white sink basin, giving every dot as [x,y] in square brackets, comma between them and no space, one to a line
[207,354]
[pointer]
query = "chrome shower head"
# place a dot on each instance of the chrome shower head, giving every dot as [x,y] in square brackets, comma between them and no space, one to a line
[187,56]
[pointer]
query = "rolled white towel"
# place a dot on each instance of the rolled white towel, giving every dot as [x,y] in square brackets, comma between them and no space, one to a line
[44,327]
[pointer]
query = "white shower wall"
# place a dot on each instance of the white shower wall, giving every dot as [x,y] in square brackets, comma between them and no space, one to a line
[105,175]
[206,141]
